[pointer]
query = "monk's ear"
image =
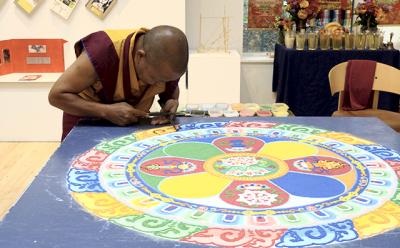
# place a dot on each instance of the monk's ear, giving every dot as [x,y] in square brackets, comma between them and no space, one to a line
[141,53]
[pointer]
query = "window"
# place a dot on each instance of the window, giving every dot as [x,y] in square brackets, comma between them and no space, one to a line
[6,55]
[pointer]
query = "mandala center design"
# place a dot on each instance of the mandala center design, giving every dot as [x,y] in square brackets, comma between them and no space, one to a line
[246,166]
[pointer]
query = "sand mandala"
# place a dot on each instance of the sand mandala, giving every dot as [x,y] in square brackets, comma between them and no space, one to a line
[241,184]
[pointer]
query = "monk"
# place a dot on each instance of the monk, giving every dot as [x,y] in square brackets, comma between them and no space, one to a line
[118,73]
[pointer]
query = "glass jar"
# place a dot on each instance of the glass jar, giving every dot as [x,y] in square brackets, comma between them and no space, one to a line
[349,41]
[360,41]
[337,39]
[289,39]
[312,40]
[300,40]
[324,41]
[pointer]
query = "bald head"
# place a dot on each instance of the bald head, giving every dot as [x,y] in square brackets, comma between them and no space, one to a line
[167,45]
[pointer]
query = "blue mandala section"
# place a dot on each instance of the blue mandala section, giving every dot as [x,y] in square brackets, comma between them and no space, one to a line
[319,235]
[83,181]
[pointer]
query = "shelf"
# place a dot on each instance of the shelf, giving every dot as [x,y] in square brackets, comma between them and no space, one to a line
[16,78]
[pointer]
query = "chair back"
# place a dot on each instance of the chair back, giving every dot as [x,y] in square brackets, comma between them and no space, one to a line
[387,78]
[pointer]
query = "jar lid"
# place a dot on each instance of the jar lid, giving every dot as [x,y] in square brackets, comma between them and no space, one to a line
[264,113]
[206,106]
[237,106]
[252,106]
[215,113]
[279,106]
[246,112]
[231,113]
[266,106]
[190,107]
[280,113]
[222,106]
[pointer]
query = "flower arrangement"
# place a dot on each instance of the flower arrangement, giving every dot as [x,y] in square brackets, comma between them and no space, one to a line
[283,24]
[302,9]
[369,12]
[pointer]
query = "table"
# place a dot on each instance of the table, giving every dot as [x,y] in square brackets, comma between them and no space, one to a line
[47,216]
[300,78]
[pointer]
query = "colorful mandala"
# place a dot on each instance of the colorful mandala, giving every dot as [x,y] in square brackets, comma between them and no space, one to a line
[241,184]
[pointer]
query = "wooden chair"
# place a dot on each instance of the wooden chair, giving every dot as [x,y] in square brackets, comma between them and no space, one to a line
[387,78]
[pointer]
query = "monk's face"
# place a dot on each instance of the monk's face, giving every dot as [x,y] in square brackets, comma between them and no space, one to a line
[151,73]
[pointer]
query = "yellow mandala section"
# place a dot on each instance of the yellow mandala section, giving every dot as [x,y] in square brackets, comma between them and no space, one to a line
[381,220]
[103,205]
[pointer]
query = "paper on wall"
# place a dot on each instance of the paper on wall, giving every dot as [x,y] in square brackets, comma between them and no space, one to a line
[100,7]
[64,8]
[27,5]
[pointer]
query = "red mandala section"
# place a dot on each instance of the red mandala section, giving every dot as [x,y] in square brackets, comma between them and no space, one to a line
[236,237]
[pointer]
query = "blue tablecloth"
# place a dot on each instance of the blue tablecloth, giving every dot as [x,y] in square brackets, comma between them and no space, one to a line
[300,78]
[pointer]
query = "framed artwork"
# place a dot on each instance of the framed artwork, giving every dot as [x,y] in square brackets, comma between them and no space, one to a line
[100,7]
[262,13]
[27,5]
[393,15]
[64,8]
[335,4]
[32,55]
[37,48]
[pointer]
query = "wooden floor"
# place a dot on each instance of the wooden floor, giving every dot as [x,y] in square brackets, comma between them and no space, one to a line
[20,162]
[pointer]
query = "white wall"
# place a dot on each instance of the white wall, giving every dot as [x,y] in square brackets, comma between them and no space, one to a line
[256,79]
[215,8]
[220,83]
[44,23]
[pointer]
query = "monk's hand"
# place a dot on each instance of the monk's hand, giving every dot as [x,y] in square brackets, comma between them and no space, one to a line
[123,114]
[170,107]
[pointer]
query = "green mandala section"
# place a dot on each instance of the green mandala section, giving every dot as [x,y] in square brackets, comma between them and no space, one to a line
[396,197]
[156,154]
[113,145]
[300,129]
[158,227]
